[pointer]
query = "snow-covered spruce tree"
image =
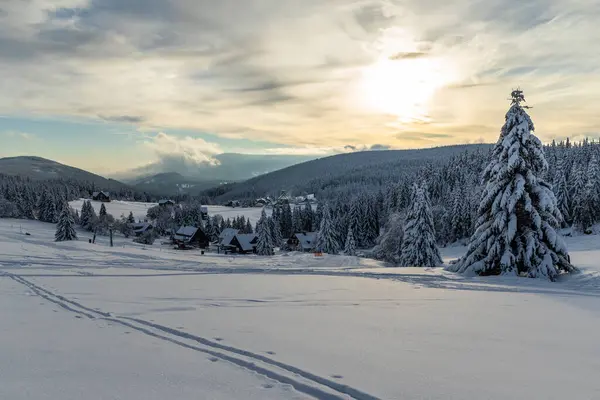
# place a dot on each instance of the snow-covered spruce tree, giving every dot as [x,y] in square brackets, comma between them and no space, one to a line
[264,246]
[327,241]
[587,207]
[130,218]
[389,247]
[350,247]
[65,228]
[102,212]
[518,216]
[419,248]
[47,207]
[561,191]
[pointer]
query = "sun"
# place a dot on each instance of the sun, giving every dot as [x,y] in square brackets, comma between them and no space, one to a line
[402,88]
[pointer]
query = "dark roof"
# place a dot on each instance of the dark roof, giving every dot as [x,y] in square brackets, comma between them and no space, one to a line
[228,233]
[306,240]
[140,227]
[246,240]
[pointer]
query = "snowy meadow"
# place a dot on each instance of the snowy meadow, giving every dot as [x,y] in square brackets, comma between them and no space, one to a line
[155,322]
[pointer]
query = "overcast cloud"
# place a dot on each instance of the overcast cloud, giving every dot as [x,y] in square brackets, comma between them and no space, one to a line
[292,72]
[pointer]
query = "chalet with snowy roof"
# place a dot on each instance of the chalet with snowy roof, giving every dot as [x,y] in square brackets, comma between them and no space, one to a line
[234,242]
[303,241]
[101,196]
[227,233]
[166,202]
[141,228]
[191,236]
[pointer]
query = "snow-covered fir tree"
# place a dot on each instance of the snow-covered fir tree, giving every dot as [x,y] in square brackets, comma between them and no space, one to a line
[518,215]
[264,244]
[65,228]
[587,207]
[350,247]
[130,218]
[327,240]
[102,212]
[47,207]
[389,246]
[419,248]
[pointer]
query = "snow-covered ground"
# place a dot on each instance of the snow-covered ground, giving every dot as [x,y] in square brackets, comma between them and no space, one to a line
[134,322]
[139,210]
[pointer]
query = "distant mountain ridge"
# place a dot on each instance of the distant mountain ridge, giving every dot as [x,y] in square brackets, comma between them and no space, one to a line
[231,167]
[342,170]
[39,168]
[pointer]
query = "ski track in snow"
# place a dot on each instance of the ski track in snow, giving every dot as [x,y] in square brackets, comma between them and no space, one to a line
[303,381]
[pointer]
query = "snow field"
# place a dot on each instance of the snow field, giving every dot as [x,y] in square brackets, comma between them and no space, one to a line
[256,327]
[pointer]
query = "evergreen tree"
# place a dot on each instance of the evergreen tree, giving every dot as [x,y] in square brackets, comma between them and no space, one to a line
[355,220]
[249,226]
[276,238]
[389,247]
[518,214]
[130,218]
[419,248]
[561,192]
[102,211]
[327,237]
[308,217]
[47,207]
[65,228]
[264,245]
[370,223]
[587,210]
[350,247]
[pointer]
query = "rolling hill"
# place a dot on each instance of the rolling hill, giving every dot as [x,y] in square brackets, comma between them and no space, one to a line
[38,168]
[369,168]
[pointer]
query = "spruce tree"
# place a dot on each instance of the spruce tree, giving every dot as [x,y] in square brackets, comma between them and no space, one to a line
[327,240]
[65,228]
[518,215]
[249,226]
[102,212]
[264,245]
[350,247]
[130,218]
[419,248]
[389,247]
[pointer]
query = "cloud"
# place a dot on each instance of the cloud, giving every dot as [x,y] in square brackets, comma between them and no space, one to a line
[21,135]
[292,72]
[129,119]
[181,154]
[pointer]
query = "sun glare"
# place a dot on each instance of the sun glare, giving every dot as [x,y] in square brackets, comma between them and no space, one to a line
[402,87]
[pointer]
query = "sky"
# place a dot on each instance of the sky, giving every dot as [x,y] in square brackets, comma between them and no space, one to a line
[110,85]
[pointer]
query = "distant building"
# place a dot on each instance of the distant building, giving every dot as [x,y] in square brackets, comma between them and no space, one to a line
[232,241]
[227,232]
[141,228]
[304,241]
[191,236]
[165,203]
[101,196]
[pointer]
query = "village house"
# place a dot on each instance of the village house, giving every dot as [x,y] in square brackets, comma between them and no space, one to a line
[191,236]
[232,241]
[303,241]
[140,228]
[101,196]
[166,202]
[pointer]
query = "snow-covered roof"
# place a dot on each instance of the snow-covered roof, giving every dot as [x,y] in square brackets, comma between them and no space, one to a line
[245,240]
[228,232]
[204,209]
[188,231]
[306,239]
[165,201]
[95,194]
[141,227]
